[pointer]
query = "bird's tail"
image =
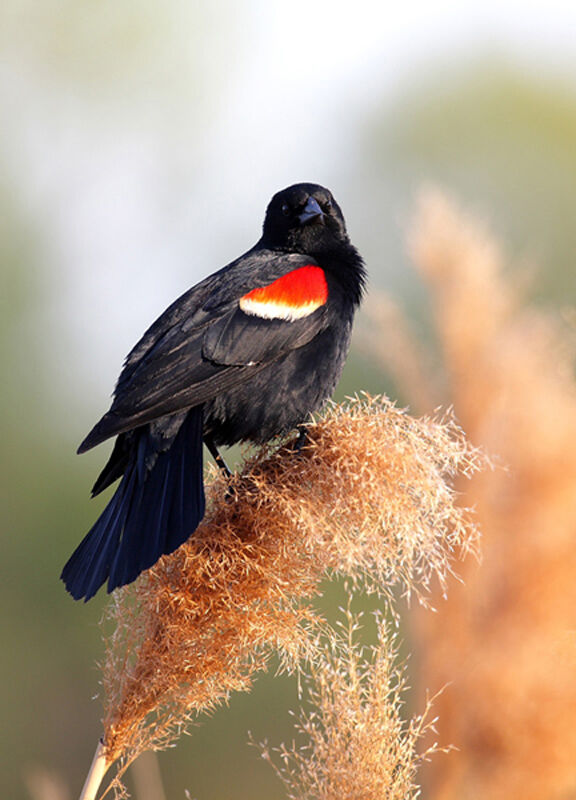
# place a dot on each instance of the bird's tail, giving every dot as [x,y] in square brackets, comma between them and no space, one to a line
[157,505]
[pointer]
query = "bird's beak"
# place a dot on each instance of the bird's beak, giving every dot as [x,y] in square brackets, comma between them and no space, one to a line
[311,213]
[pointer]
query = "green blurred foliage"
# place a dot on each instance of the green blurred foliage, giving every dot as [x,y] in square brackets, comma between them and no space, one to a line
[46,665]
[500,138]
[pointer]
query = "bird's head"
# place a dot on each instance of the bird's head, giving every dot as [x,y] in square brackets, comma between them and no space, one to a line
[304,218]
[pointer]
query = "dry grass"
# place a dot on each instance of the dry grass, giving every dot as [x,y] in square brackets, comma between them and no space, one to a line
[369,497]
[387,335]
[357,745]
[505,640]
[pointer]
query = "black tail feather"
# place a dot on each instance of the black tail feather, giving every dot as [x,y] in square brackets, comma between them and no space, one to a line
[153,511]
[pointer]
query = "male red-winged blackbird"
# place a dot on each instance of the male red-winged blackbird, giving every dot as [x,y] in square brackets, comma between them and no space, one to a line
[245,355]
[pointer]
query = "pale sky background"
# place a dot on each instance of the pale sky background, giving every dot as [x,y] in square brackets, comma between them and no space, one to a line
[144,172]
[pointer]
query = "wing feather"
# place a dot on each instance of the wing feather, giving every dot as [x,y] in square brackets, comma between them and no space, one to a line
[204,344]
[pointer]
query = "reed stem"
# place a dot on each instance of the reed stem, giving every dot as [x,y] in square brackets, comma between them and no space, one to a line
[98,769]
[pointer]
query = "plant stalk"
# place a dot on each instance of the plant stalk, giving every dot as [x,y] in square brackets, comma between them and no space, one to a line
[98,769]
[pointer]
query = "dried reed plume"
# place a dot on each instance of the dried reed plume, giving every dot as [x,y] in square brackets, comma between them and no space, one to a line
[356,745]
[504,641]
[368,497]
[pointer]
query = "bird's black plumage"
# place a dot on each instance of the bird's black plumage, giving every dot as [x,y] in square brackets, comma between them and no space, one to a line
[245,355]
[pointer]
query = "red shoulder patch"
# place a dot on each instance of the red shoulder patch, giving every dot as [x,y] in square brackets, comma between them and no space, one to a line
[293,296]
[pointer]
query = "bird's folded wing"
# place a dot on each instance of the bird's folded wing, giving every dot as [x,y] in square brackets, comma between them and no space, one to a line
[204,344]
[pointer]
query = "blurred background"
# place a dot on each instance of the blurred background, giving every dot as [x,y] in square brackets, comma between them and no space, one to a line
[139,146]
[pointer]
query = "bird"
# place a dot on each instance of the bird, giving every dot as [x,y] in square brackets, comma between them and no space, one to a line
[246,355]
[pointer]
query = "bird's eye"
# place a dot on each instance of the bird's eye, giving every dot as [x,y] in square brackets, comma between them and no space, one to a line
[328,204]
[286,209]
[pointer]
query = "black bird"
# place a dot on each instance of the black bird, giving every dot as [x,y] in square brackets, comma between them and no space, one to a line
[245,355]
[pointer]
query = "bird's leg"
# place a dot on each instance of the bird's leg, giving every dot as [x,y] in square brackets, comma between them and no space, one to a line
[222,465]
[302,438]
[209,442]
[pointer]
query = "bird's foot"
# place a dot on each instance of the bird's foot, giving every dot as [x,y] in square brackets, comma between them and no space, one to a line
[220,463]
[302,439]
